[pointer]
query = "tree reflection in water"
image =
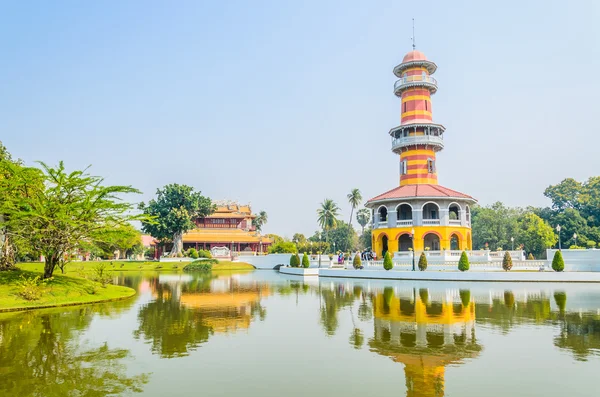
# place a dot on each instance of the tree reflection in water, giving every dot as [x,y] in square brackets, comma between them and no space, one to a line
[183,315]
[41,355]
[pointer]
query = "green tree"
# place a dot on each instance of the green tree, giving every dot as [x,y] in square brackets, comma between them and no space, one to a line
[565,194]
[463,262]
[387,261]
[343,236]
[364,241]
[327,216]
[173,213]
[354,199]
[535,234]
[422,262]
[283,247]
[299,238]
[276,239]
[558,263]
[260,220]
[363,217]
[507,261]
[123,239]
[56,216]
[494,225]
[294,260]
[305,261]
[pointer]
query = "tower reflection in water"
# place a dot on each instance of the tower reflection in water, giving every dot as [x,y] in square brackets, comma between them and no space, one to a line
[426,332]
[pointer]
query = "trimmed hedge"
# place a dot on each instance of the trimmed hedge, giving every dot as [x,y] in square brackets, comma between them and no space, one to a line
[387,261]
[305,261]
[530,257]
[294,260]
[558,263]
[507,261]
[422,262]
[356,262]
[463,263]
[202,265]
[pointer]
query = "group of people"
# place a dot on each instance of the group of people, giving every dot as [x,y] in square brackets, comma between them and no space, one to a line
[366,255]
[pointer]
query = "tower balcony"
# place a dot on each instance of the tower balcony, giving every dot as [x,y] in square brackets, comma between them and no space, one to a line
[413,140]
[415,81]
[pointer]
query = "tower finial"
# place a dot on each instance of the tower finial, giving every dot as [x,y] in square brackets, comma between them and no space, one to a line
[413,36]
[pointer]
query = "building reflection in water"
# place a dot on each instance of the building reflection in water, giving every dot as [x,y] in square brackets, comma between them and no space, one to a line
[426,332]
[188,309]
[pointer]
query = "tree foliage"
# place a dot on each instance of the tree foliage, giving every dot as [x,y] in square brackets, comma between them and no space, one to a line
[294,260]
[463,262]
[260,220]
[354,199]
[363,217]
[344,237]
[63,211]
[327,216]
[535,234]
[422,262]
[387,261]
[173,213]
[305,261]
[558,263]
[283,247]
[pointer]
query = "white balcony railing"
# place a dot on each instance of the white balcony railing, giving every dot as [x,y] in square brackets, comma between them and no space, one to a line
[431,222]
[407,222]
[417,140]
[454,222]
[414,81]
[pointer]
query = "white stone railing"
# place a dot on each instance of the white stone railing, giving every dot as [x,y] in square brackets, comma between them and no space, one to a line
[429,222]
[404,222]
[414,80]
[454,222]
[417,140]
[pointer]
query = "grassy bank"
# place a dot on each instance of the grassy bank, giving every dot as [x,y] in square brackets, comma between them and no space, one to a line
[60,291]
[87,268]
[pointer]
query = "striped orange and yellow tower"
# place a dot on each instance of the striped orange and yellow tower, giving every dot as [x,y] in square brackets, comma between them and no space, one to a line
[419,214]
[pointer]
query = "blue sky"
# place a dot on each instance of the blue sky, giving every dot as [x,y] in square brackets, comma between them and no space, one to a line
[283,104]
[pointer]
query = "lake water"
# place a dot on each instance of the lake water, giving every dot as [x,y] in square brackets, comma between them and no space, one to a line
[264,334]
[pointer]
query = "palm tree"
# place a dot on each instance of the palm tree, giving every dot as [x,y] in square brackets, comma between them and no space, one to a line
[355,199]
[363,217]
[260,220]
[328,216]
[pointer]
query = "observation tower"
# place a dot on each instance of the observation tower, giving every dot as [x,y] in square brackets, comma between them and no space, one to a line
[419,211]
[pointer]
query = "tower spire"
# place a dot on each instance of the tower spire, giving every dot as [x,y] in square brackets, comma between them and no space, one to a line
[413,36]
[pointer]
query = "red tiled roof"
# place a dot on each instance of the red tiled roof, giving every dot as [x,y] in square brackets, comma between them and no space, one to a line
[424,190]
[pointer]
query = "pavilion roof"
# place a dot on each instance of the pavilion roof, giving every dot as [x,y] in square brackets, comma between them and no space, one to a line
[210,235]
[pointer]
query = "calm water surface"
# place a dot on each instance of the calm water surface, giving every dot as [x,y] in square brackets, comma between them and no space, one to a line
[264,334]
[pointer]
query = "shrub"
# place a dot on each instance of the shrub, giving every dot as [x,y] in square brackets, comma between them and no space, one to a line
[204,254]
[530,257]
[465,297]
[294,260]
[463,263]
[387,261]
[576,247]
[32,288]
[101,275]
[422,262]
[561,300]
[507,261]
[201,265]
[305,261]
[558,263]
[192,253]
[356,262]
[591,244]
[179,255]
[283,247]
[509,299]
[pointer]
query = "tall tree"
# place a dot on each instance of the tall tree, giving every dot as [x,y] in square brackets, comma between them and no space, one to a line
[327,216]
[260,220]
[173,213]
[343,236]
[363,217]
[535,234]
[56,216]
[494,225]
[565,194]
[355,199]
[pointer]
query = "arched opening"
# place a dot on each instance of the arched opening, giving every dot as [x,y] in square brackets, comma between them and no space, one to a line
[468,216]
[431,241]
[404,242]
[431,212]
[384,246]
[383,213]
[454,243]
[407,308]
[454,213]
[404,214]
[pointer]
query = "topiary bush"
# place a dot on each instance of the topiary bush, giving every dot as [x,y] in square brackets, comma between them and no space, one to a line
[507,261]
[422,262]
[294,260]
[356,262]
[530,257]
[463,263]
[387,261]
[204,254]
[192,253]
[591,244]
[561,300]
[305,261]
[201,265]
[558,263]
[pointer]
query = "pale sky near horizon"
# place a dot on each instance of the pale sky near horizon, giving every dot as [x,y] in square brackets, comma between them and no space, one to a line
[283,104]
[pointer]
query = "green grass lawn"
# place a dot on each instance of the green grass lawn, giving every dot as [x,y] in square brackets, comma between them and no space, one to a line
[61,290]
[228,265]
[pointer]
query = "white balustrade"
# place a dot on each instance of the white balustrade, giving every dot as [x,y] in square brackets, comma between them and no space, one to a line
[404,222]
[431,222]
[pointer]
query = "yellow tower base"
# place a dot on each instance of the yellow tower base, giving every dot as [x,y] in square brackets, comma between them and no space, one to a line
[444,233]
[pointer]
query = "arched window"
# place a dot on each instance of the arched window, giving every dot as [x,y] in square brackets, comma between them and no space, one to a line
[468,216]
[454,213]
[383,213]
[431,211]
[404,212]
[431,241]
